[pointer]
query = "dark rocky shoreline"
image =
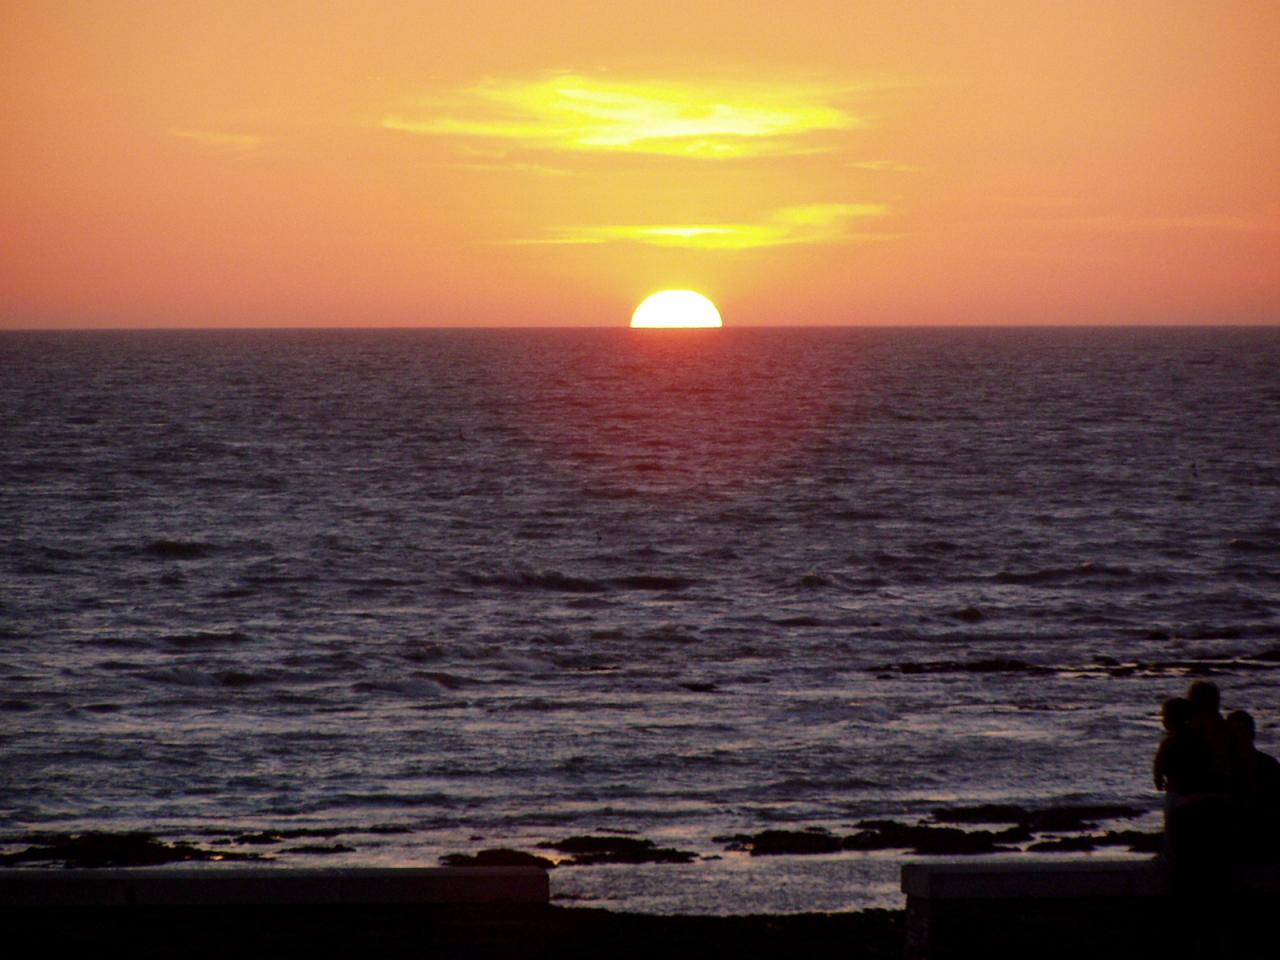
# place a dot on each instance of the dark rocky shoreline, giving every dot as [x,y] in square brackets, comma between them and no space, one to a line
[957,831]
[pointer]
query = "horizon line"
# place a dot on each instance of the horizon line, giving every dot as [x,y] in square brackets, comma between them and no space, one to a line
[1263,325]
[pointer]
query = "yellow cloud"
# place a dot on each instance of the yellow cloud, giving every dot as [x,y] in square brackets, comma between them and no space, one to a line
[811,224]
[576,113]
[233,142]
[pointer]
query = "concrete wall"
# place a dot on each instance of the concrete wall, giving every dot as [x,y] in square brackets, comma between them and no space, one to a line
[249,913]
[1088,909]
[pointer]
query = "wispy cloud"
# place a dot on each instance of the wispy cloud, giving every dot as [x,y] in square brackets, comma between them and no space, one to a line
[819,223]
[884,165]
[571,112]
[219,140]
[1207,222]
[510,166]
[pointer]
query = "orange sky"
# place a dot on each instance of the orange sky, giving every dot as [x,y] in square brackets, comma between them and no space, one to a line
[511,163]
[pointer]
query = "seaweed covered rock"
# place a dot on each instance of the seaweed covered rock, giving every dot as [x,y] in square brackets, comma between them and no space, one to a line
[925,839]
[499,857]
[1064,845]
[1056,819]
[267,837]
[320,849]
[589,850]
[878,835]
[769,843]
[96,849]
[1138,841]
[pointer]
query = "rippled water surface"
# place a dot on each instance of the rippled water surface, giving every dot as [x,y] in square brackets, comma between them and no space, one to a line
[446,590]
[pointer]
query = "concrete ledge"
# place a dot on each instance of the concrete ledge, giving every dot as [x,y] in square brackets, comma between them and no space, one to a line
[256,887]
[213,912]
[1046,879]
[986,880]
[1087,908]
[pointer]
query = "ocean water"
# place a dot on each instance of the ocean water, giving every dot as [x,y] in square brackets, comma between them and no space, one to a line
[444,590]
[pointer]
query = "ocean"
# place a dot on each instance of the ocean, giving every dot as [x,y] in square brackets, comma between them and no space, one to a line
[409,593]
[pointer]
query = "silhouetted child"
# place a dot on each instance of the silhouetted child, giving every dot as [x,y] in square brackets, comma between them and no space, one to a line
[1171,767]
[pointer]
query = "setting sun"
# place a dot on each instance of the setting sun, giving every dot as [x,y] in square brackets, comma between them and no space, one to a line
[676,308]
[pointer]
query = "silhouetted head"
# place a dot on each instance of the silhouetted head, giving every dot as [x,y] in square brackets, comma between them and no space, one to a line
[1241,722]
[1204,696]
[1175,712]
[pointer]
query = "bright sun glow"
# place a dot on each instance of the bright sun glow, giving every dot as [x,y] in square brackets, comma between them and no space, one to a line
[676,308]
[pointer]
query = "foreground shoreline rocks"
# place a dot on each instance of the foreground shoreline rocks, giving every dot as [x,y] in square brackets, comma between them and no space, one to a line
[957,831]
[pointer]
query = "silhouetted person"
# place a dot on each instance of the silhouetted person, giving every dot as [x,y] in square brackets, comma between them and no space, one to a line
[1260,805]
[1201,819]
[1177,759]
[1226,766]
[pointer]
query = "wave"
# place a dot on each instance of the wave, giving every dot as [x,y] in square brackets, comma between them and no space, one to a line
[420,684]
[176,549]
[373,583]
[118,643]
[1267,541]
[1083,571]
[543,580]
[589,603]
[204,639]
[425,652]
[985,665]
[799,621]
[237,678]
[555,581]
[37,568]
[548,705]
[652,582]
[180,677]
[425,801]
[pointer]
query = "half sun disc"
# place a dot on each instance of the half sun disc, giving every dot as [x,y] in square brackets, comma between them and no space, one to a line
[676,308]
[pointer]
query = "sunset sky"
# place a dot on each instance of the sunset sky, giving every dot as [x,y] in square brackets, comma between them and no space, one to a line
[397,163]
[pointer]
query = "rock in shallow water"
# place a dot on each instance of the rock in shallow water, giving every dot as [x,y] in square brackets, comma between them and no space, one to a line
[768,843]
[588,850]
[500,857]
[1055,819]
[114,850]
